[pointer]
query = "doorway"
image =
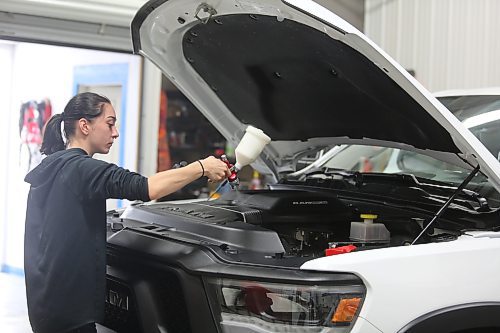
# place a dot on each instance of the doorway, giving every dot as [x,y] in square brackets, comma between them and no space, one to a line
[58,74]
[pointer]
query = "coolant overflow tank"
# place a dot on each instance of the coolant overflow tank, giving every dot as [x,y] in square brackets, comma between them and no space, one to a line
[368,231]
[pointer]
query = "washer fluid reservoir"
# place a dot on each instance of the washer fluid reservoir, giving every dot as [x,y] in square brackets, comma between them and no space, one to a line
[368,230]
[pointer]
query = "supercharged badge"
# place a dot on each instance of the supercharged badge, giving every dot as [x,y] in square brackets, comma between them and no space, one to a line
[318,202]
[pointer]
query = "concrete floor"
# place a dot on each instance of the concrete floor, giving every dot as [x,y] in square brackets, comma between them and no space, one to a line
[13,310]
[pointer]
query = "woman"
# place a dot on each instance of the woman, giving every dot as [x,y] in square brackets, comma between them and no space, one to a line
[65,236]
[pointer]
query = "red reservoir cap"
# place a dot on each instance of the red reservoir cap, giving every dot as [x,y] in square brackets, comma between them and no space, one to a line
[340,250]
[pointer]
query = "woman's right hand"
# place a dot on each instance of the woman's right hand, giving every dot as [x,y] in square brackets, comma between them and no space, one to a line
[215,169]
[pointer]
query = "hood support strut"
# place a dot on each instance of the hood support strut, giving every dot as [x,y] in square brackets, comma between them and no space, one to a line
[459,189]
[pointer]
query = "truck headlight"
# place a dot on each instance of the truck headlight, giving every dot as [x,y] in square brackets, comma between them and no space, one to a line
[252,306]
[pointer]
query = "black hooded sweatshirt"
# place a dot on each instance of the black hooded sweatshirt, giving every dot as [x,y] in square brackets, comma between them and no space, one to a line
[65,237]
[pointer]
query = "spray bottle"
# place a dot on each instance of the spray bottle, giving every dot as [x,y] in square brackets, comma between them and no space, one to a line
[247,151]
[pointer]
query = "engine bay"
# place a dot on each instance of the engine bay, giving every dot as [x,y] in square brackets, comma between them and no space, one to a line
[304,221]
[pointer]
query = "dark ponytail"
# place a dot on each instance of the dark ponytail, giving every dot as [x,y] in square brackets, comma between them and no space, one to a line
[52,136]
[85,105]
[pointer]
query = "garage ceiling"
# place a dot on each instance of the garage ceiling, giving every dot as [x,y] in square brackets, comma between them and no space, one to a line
[102,24]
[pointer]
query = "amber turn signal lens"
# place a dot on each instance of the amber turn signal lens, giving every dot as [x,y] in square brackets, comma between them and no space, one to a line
[346,310]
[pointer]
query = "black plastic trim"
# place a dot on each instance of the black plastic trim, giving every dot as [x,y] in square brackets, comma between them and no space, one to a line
[464,317]
[199,260]
[162,296]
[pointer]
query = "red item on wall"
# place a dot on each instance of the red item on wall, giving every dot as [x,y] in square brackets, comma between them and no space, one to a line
[164,160]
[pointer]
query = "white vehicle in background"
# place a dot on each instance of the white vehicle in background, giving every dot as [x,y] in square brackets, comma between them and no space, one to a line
[410,245]
[477,109]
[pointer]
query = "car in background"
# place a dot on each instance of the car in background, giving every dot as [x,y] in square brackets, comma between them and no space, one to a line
[330,249]
[477,109]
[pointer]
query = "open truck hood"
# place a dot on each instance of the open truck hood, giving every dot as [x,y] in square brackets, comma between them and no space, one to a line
[300,73]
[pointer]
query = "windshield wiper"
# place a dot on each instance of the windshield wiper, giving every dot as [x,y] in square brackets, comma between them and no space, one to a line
[469,194]
[440,212]
[357,178]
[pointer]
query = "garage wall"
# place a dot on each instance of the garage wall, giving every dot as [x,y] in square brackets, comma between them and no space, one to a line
[450,44]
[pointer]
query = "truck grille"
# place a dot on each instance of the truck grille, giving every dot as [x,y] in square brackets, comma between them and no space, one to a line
[170,295]
[120,308]
[122,314]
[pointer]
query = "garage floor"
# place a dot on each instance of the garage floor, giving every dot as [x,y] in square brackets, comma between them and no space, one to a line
[13,311]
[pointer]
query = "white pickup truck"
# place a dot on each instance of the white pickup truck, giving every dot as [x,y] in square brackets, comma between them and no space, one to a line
[397,231]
